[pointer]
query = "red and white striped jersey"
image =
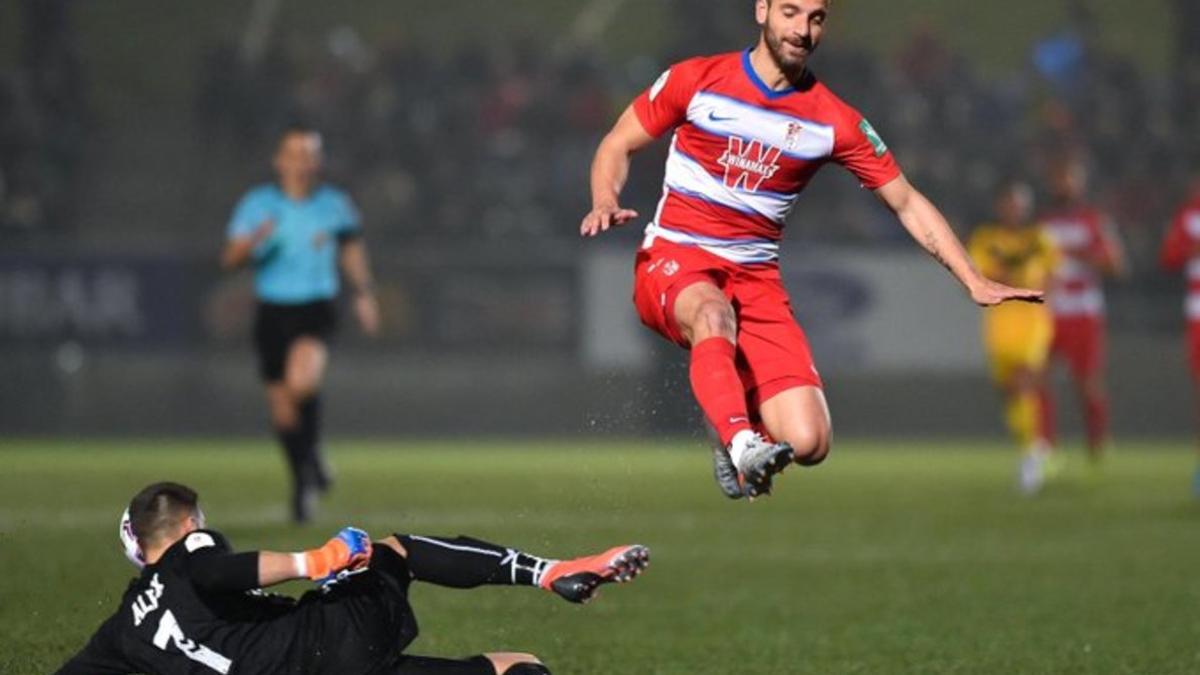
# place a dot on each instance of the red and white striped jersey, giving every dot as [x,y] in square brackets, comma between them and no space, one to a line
[1181,250]
[1077,285]
[742,153]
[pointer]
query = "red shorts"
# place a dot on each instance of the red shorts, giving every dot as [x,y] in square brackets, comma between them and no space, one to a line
[772,351]
[1193,340]
[1080,341]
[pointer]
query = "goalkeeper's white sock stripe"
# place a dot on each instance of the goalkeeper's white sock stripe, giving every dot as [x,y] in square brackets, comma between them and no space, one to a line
[536,571]
[541,569]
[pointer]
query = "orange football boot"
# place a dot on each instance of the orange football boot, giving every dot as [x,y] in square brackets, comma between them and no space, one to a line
[577,580]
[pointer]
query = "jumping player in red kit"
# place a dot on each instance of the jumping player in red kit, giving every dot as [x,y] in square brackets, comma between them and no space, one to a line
[1090,251]
[751,130]
[1181,251]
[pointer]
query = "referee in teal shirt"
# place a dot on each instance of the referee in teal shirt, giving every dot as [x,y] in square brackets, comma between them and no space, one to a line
[295,234]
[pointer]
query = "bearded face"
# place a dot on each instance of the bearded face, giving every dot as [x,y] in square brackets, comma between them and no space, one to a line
[792,30]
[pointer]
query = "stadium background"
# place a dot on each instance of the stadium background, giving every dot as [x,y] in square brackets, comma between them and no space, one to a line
[465,131]
[464,128]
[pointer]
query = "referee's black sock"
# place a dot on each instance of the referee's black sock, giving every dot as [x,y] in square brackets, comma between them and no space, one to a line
[294,450]
[303,495]
[310,419]
[464,562]
[310,429]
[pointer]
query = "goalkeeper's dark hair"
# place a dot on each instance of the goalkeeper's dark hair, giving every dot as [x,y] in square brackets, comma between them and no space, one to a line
[159,509]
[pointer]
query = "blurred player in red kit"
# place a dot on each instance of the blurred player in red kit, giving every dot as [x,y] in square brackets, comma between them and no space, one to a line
[751,128]
[1181,252]
[1090,250]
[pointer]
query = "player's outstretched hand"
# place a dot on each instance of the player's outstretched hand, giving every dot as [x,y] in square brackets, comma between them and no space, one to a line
[988,293]
[601,218]
[366,310]
[350,548]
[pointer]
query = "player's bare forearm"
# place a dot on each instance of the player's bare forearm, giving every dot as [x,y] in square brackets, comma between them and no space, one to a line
[929,227]
[357,269]
[1115,265]
[350,548]
[242,250]
[926,224]
[356,266]
[1113,259]
[276,568]
[610,170]
[236,254]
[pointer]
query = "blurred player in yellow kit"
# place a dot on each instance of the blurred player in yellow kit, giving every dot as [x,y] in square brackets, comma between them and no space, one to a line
[1017,336]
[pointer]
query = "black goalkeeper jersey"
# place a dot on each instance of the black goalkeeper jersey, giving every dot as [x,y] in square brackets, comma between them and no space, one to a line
[190,613]
[167,623]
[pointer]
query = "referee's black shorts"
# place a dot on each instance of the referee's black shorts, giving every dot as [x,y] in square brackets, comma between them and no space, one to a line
[364,622]
[277,326]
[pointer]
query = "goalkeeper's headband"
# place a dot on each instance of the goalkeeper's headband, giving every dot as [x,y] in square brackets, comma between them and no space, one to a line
[129,541]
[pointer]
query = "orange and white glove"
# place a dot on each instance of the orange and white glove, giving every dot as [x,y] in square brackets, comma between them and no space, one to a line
[348,549]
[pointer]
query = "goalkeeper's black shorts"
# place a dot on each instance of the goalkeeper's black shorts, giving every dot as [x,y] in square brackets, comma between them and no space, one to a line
[362,624]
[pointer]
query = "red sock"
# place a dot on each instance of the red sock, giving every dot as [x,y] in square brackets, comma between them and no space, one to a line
[1095,413]
[718,388]
[1049,428]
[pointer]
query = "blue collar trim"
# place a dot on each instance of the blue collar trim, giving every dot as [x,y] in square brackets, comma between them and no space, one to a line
[762,86]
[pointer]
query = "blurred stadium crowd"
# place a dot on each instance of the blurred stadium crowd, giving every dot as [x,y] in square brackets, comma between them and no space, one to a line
[490,143]
[493,141]
[511,138]
[43,122]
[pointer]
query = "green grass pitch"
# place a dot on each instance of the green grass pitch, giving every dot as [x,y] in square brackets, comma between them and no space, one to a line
[891,558]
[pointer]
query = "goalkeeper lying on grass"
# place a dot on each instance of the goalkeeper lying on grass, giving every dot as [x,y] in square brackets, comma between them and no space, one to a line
[196,607]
